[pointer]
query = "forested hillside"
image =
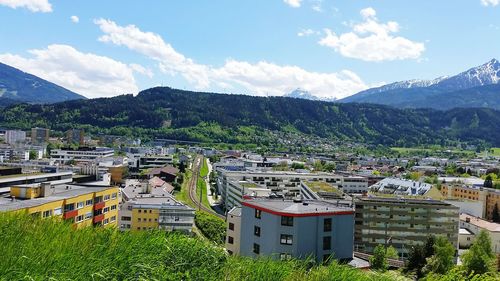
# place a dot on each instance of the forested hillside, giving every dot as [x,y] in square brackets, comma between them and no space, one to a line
[185,115]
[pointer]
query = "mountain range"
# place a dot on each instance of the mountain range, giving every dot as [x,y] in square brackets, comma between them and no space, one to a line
[476,87]
[18,86]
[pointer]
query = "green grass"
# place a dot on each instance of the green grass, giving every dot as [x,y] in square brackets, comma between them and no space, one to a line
[44,249]
[204,168]
[495,151]
[183,194]
[201,185]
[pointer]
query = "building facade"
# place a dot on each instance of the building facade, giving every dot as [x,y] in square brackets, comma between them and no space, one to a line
[402,223]
[87,154]
[15,136]
[40,135]
[284,229]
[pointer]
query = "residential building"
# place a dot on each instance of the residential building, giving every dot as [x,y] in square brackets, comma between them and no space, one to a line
[75,136]
[81,154]
[402,222]
[475,224]
[15,136]
[398,186]
[30,178]
[284,229]
[40,135]
[148,206]
[80,205]
[233,232]
[489,197]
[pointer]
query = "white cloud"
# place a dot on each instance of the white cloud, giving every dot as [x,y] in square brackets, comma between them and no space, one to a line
[141,69]
[490,2]
[293,3]
[75,19]
[33,5]
[84,73]
[307,32]
[260,78]
[371,40]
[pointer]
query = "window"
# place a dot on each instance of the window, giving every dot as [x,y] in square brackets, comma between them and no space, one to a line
[230,240]
[105,210]
[106,197]
[69,207]
[230,252]
[286,239]
[231,226]
[285,256]
[113,207]
[57,211]
[287,221]
[327,243]
[47,214]
[258,214]
[327,225]
[126,218]
[256,231]
[79,218]
[113,218]
[80,205]
[106,221]
[139,219]
[139,211]
[326,258]
[89,202]
[88,215]
[114,195]
[256,248]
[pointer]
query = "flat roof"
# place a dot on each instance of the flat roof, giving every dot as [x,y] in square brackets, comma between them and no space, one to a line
[302,208]
[8,178]
[61,192]
[479,222]
[403,200]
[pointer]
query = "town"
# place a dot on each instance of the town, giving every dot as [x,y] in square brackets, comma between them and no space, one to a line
[344,206]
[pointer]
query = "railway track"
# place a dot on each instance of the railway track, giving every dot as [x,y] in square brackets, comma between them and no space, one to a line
[195,198]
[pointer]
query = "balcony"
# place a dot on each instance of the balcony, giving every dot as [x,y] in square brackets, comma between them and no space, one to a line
[99,205]
[70,214]
[98,218]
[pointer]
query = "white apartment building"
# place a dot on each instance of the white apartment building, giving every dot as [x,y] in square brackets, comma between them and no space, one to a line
[14,136]
[81,155]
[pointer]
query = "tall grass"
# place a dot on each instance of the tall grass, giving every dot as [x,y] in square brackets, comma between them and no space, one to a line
[36,249]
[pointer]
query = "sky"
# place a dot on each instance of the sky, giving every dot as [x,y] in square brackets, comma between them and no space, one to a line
[331,48]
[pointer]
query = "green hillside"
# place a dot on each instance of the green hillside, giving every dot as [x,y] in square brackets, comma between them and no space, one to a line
[209,117]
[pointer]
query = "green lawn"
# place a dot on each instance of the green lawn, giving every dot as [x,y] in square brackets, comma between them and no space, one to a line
[495,151]
[202,185]
[204,168]
[183,195]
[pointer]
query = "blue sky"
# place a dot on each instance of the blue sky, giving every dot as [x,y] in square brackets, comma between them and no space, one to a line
[331,48]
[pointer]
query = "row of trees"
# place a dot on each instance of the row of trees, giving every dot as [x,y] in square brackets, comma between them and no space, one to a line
[436,257]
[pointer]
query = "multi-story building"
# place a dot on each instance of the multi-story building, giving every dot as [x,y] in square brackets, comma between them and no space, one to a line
[470,226]
[402,222]
[40,135]
[233,233]
[20,179]
[284,229]
[233,185]
[82,154]
[489,197]
[15,136]
[75,136]
[146,207]
[80,205]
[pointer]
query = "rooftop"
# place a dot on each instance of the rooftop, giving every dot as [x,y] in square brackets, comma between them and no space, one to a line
[400,200]
[484,224]
[299,208]
[61,192]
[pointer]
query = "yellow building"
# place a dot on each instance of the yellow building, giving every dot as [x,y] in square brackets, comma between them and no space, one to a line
[80,205]
[488,196]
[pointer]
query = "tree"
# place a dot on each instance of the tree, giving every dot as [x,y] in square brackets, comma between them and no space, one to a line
[417,257]
[443,259]
[329,167]
[392,253]
[488,181]
[379,259]
[496,214]
[480,259]
[33,155]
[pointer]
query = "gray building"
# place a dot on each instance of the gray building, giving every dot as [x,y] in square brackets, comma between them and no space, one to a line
[283,229]
[402,223]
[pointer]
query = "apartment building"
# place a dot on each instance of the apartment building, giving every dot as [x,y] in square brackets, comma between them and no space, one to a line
[40,135]
[75,136]
[146,207]
[233,185]
[82,154]
[284,229]
[80,205]
[489,197]
[20,179]
[402,222]
[15,136]
[474,225]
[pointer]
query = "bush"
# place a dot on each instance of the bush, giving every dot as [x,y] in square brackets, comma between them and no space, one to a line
[211,226]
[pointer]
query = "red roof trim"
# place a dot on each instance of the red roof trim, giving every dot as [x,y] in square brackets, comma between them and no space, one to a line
[297,215]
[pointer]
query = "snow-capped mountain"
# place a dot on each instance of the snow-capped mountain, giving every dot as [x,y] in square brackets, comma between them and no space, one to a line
[425,93]
[303,94]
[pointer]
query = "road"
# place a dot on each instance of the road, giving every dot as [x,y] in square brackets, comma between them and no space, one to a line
[195,198]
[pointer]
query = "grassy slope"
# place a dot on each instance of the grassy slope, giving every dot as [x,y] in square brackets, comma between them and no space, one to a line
[42,249]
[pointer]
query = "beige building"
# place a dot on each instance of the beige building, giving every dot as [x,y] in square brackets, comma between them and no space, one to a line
[233,231]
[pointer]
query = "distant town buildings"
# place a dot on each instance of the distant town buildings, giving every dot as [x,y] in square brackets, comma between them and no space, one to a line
[13,137]
[40,135]
[75,136]
[81,154]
